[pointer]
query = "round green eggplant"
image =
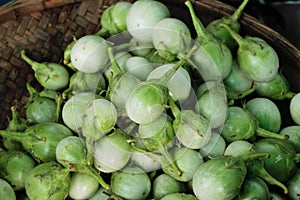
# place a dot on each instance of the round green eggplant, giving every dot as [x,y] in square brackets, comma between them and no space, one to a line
[48,181]
[240,124]
[212,59]
[40,140]
[253,188]
[6,191]
[131,183]
[113,19]
[211,179]
[232,21]
[164,184]
[15,167]
[278,88]
[50,75]
[293,185]
[281,162]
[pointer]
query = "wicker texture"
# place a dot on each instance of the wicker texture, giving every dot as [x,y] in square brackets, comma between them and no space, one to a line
[44,34]
[44,27]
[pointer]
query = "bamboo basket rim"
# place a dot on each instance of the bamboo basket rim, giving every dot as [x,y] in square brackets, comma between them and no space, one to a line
[15,8]
[248,20]
[18,8]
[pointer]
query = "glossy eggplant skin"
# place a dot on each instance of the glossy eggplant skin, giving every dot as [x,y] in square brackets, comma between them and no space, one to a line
[280,164]
[253,188]
[211,179]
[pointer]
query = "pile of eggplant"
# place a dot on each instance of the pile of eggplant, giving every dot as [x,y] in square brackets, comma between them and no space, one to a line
[143,110]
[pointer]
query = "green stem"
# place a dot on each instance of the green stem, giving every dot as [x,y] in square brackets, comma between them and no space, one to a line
[152,155]
[256,167]
[15,115]
[103,32]
[17,123]
[165,79]
[59,101]
[35,65]
[14,135]
[114,197]
[234,95]
[268,134]
[234,35]
[199,27]
[114,65]
[175,111]
[71,66]
[289,95]
[124,46]
[27,59]
[68,91]
[32,93]
[22,137]
[90,150]
[169,159]
[67,52]
[169,74]
[91,134]
[93,173]
[236,15]
[254,156]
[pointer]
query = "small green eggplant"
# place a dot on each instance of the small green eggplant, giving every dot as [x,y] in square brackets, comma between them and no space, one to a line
[40,140]
[164,184]
[50,75]
[213,105]
[113,145]
[16,123]
[113,19]
[255,167]
[15,166]
[293,131]
[131,183]
[84,82]
[74,109]
[212,59]
[171,37]
[253,188]
[278,88]
[157,134]
[281,164]
[232,21]
[6,191]
[67,55]
[240,124]
[71,153]
[236,81]
[48,181]
[266,112]
[293,185]
[211,179]
[39,109]
[256,58]
[187,160]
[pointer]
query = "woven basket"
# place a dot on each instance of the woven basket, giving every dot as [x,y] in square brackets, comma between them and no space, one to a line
[44,27]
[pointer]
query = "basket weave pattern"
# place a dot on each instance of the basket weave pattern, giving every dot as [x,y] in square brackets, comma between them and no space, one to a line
[43,29]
